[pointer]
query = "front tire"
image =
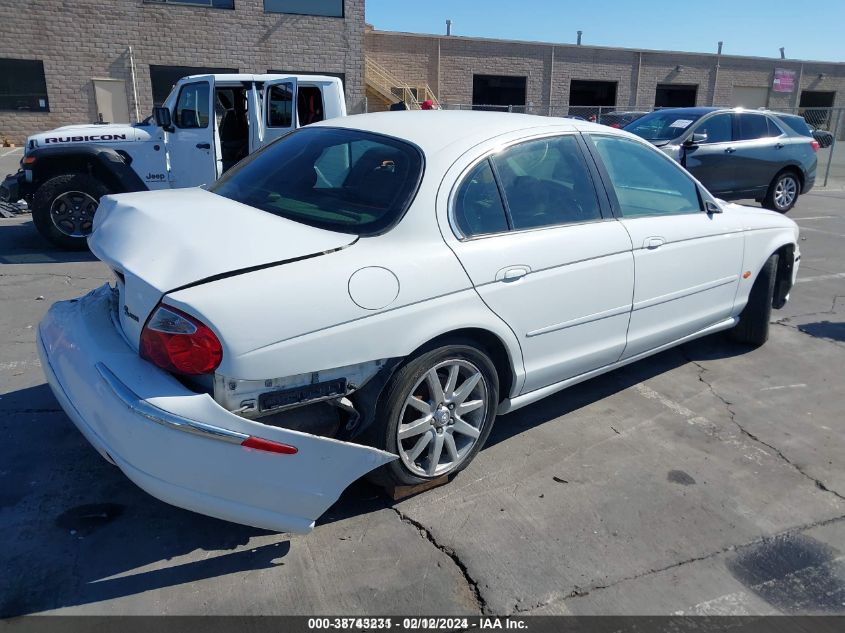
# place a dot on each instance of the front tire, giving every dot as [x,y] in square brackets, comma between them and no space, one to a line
[436,414]
[753,326]
[63,209]
[783,192]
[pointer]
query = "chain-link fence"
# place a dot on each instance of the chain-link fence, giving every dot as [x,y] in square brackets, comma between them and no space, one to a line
[827,125]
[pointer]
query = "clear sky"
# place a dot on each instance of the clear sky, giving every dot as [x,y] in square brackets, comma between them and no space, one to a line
[808,30]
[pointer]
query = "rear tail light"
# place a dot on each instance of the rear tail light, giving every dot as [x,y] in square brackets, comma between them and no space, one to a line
[179,343]
[815,145]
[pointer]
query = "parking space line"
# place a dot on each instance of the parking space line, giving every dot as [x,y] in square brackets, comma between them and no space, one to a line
[802,280]
[10,152]
[817,217]
[808,228]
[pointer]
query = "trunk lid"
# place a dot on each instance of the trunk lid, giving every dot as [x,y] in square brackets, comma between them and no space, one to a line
[158,241]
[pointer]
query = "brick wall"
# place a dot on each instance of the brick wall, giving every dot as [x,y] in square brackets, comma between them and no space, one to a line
[550,68]
[79,40]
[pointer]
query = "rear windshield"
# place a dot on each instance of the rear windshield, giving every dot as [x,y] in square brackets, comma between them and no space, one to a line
[798,124]
[332,178]
[662,126]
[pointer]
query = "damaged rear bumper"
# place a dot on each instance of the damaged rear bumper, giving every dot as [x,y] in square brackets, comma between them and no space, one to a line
[180,446]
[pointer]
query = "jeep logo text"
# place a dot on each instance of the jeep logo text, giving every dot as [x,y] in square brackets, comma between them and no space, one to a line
[81,139]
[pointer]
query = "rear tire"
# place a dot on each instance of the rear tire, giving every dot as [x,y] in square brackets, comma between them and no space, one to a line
[783,192]
[63,209]
[458,421]
[753,326]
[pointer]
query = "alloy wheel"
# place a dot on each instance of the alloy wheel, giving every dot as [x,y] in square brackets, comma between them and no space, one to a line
[786,190]
[442,418]
[72,213]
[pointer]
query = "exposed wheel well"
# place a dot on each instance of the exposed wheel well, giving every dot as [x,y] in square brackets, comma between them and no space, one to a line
[59,165]
[783,278]
[487,341]
[794,170]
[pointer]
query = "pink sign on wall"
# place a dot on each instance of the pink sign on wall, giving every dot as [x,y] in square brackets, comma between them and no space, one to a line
[784,80]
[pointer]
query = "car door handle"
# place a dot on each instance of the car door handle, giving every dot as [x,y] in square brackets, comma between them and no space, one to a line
[730,150]
[779,146]
[653,242]
[203,145]
[512,273]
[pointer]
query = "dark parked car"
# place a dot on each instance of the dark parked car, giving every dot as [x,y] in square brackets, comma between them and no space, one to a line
[735,153]
[620,119]
[800,125]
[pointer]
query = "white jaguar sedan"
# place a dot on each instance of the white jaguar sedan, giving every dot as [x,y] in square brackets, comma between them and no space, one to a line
[369,293]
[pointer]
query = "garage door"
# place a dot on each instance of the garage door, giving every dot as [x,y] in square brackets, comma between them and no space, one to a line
[750,97]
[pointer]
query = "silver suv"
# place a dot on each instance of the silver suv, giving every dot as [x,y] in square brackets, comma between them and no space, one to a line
[736,153]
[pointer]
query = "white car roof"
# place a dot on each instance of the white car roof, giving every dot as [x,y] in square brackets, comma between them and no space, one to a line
[433,130]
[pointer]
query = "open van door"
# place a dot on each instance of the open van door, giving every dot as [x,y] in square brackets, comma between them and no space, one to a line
[191,141]
[279,108]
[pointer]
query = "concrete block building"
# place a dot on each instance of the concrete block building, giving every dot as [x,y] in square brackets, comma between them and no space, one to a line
[67,62]
[546,78]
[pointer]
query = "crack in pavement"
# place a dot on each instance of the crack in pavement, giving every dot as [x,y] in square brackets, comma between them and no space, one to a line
[785,320]
[425,533]
[579,592]
[732,413]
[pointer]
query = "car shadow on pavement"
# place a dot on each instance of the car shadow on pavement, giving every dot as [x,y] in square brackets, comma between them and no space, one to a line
[825,329]
[583,394]
[20,243]
[77,531]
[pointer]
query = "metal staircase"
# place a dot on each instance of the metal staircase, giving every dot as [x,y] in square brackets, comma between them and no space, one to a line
[392,90]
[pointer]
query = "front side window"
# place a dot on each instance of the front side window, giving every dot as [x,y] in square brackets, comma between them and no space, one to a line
[332,178]
[662,126]
[23,87]
[328,8]
[752,126]
[280,105]
[478,205]
[718,129]
[193,105]
[546,183]
[646,182]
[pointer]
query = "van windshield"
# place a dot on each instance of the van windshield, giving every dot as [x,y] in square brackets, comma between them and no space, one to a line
[332,178]
[662,126]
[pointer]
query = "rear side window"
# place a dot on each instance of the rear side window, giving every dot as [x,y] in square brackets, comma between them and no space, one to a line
[752,126]
[774,130]
[280,106]
[332,178]
[547,183]
[645,181]
[798,124]
[478,205]
[193,105]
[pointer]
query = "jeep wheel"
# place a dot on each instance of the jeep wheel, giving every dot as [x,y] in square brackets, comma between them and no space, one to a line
[63,209]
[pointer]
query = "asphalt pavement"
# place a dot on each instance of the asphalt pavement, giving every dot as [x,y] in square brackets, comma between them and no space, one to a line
[709,479]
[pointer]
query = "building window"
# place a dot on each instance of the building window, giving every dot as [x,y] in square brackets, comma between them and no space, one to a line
[163,78]
[217,4]
[675,96]
[589,98]
[498,92]
[329,8]
[23,86]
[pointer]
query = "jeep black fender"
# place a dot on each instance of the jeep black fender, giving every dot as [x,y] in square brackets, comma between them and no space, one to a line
[109,166]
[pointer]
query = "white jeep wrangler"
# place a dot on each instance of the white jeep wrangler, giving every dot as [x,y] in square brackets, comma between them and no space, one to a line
[207,124]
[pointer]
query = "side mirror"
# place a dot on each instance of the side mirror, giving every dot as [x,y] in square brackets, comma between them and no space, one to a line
[695,139]
[712,207]
[162,118]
